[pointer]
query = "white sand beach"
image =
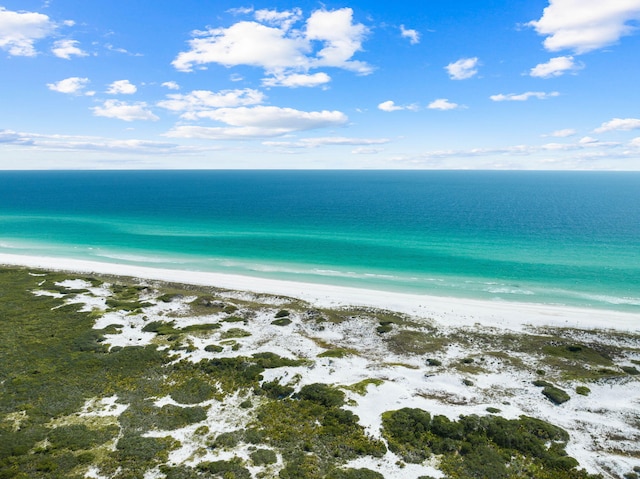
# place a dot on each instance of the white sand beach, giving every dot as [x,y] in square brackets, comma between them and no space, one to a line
[446,310]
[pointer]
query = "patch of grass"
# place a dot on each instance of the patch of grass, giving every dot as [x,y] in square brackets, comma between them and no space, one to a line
[200,328]
[361,386]
[583,390]
[338,353]
[235,333]
[413,342]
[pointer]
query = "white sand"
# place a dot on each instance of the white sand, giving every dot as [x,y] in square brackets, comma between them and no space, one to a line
[448,311]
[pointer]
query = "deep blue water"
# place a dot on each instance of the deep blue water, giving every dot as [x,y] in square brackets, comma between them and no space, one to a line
[553,237]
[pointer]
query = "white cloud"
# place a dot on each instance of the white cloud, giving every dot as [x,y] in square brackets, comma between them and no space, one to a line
[171,85]
[200,100]
[585,25]
[70,143]
[588,140]
[327,141]
[124,111]
[443,104]
[330,39]
[122,87]
[19,31]
[540,95]
[284,19]
[554,68]
[69,85]
[341,37]
[389,106]
[624,124]
[563,133]
[412,35]
[635,142]
[66,48]
[258,121]
[295,80]
[463,68]
[244,43]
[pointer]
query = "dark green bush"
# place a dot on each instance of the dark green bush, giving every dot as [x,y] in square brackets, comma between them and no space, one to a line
[261,457]
[556,395]
[275,390]
[282,313]
[354,474]
[281,322]
[233,469]
[323,394]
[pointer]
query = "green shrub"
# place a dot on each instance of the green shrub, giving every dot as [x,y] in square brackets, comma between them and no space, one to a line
[354,474]
[232,469]
[323,394]
[556,395]
[282,313]
[630,370]
[235,333]
[275,390]
[434,362]
[583,390]
[213,348]
[261,457]
[193,391]
[281,322]
[542,384]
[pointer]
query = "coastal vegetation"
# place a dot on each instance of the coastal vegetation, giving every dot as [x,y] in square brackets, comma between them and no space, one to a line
[121,378]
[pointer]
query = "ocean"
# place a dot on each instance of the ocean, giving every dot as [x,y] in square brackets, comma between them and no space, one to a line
[564,238]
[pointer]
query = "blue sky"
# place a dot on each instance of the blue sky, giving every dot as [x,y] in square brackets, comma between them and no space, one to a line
[490,84]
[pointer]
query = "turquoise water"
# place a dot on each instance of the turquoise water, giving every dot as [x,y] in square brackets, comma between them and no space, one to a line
[547,237]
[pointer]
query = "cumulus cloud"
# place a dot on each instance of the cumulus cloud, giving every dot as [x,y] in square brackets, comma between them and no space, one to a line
[563,133]
[586,25]
[540,95]
[389,106]
[329,39]
[171,85]
[72,85]
[122,87]
[624,124]
[19,31]
[443,104]
[463,68]
[412,35]
[202,100]
[635,142]
[67,48]
[296,80]
[258,121]
[124,111]
[554,68]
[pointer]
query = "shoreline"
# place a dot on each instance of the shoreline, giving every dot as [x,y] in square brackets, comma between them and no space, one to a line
[444,310]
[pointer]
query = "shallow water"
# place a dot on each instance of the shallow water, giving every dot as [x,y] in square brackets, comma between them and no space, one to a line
[550,237]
